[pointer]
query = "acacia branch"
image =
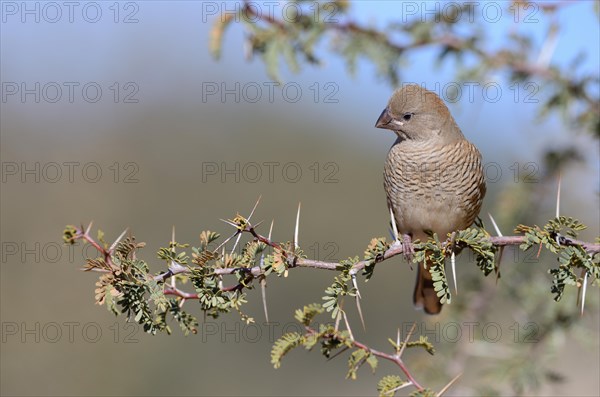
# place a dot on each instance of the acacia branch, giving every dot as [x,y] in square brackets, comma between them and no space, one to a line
[394,358]
[297,262]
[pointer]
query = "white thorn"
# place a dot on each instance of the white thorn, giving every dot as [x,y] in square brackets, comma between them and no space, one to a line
[271,229]
[87,230]
[263,290]
[394,227]
[229,222]
[296,245]
[221,276]
[253,209]
[398,338]
[347,324]
[453,263]
[583,290]
[262,255]
[548,47]
[337,320]
[357,299]
[173,238]
[412,329]
[558,197]
[498,232]
[402,386]
[226,241]
[445,389]
[112,247]
[173,250]
[355,285]
[237,240]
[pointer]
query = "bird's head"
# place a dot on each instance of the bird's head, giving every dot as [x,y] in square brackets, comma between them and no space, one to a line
[418,114]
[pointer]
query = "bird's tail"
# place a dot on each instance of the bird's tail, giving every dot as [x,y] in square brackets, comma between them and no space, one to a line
[424,296]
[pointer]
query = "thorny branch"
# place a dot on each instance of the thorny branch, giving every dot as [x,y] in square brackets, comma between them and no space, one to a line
[296,262]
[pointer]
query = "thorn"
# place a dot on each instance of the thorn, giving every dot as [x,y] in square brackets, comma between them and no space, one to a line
[355,285]
[112,247]
[453,263]
[583,290]
[548,47]
[394,227]
[398,339]
[412,329]
[248,219]
[262,255]
[347,324]
[255,205]
[173,238]
[402,386]
[87,230]
[337,319]
[338,353]
[498,232]
[558,196]
[500,250]
[297,227]
[271,229]
[226,241]
[173,250]
[357,299]
[229,222]
[237,240]
[445,389]
[263,290]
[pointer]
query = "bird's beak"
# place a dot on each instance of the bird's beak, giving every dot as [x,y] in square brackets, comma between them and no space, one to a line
[387,122]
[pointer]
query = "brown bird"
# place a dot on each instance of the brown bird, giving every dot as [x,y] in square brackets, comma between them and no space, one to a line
[433,176]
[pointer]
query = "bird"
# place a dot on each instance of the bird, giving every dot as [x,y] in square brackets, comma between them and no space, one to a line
[433,176]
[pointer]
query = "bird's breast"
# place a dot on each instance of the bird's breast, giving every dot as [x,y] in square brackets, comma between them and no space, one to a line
[434,187]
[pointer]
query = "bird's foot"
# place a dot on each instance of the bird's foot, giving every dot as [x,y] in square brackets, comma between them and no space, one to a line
[407,248]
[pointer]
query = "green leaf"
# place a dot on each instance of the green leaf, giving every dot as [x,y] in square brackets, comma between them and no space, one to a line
[307,314]
[388,384]
[283,346]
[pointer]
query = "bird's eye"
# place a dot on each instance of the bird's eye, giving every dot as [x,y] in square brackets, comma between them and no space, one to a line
[407,116]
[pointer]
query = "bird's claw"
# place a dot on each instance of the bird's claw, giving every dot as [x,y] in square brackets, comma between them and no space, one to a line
[407,248]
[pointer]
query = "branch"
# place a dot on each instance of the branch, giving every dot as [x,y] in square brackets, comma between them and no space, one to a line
[394,250]
[394,358]
[300,36]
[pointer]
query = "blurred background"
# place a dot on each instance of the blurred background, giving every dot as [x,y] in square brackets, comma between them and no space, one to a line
[116,112]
